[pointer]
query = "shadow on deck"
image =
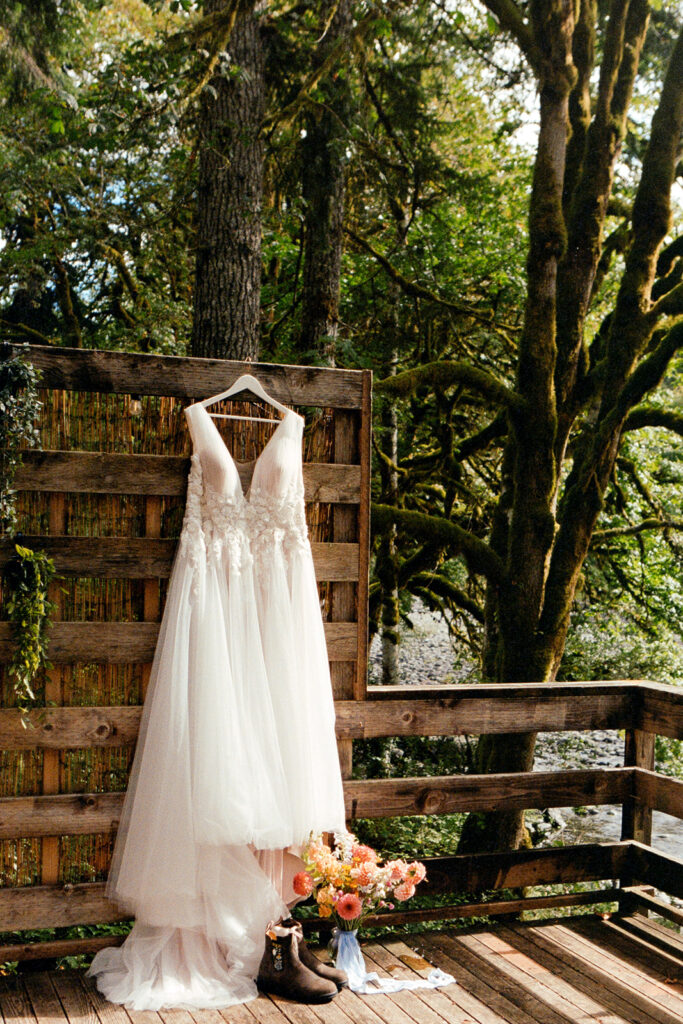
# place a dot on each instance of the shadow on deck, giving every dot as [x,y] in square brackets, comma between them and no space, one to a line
[623,970]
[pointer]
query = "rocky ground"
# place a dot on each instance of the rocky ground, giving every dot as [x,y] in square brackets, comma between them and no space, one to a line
[426,657]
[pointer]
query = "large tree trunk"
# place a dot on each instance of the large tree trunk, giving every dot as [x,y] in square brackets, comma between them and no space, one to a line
[545,548]
[323,156]
[228,266]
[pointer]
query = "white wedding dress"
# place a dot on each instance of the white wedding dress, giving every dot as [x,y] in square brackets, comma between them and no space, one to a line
[236,762]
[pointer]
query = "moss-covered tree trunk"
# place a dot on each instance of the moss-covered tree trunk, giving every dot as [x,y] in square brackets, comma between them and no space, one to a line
[227,292]
[568,384]
[323,158]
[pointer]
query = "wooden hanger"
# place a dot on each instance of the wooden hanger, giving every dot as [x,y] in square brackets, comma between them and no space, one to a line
[246,382]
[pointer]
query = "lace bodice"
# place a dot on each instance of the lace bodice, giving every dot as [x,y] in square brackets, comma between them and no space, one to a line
[219,518]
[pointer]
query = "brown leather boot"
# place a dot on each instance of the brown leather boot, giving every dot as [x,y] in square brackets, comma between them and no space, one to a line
[311,961]
[282,972]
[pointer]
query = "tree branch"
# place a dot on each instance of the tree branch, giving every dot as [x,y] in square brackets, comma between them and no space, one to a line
[510,19]
[650,416]
[443,374]
[442,587]
[411,287]
[442,533]
[647,524]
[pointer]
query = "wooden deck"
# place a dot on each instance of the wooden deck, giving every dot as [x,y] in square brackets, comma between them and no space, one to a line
[577,971]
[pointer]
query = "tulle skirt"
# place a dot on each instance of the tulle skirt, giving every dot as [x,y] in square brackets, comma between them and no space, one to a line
[236,762]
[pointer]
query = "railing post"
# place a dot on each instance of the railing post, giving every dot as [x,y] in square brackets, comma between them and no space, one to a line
[636,819]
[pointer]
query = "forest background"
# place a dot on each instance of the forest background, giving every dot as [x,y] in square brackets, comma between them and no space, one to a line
[469,198]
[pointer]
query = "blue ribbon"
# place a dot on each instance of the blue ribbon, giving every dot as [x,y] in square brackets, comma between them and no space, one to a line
[349,958]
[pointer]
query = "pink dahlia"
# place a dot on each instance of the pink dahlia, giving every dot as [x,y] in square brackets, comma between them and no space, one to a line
[397,870]
[302,883]
[404,891]
[348,907]
[416,872]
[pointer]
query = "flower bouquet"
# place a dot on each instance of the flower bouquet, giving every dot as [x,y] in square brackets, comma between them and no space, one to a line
[348,883]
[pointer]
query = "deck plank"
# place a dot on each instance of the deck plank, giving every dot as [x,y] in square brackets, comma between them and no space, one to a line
[610,973]
[78,1008]
[471,974]
[557,972]
[616,1010]
[462,1002]
[15,1007]
[44,1000]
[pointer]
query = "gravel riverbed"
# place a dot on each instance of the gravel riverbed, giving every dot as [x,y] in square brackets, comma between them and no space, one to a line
[426,657]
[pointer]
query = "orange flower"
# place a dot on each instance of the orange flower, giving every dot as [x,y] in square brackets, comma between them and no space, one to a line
[302,883]
[348,907]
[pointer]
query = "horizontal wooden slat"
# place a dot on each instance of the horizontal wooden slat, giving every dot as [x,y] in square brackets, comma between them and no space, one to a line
[83,813]
[145,557]
[391,919]
[660,792]
[44,906]
[123,643]
[483,908]
[383,798]
[661,711]
[69,728]
[651,867]
[574,690]
[109,473]
[58,948]
[62,814]
[647,902]
[183,377]
[466,711]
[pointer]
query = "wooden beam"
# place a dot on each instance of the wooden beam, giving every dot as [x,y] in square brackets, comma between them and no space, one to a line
[643,899]
[384,798]
[465,711]
[362,601]
[646,866]
[89,813]
[124,643]
[636,814]
[661,710]
[190,378]
[658,792]
[58,948]
[113,473]
[142,558]
[482,908]
[45,906]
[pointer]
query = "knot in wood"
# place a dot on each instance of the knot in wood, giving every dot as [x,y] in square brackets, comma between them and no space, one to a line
[89,800]
[429,801]
[408,717]
[48,727]
[68,887]
[103,730]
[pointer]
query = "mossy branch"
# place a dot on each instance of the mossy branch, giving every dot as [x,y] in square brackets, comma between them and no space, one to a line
[650,416]
[647,524]
[442,533]
[444,373]
[444,588]
[510,19]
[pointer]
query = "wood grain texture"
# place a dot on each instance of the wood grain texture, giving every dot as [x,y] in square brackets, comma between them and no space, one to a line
[41,906]
[383,798]
[362,598]
[113,473]
[190,378]
[84,813]
[123,643]
[142,558]
[646,866]
[636,815]
[465,711]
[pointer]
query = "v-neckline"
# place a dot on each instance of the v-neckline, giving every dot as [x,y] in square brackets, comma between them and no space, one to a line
[233,460]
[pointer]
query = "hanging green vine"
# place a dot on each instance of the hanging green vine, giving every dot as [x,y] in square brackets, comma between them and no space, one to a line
[28,608]
[18,407]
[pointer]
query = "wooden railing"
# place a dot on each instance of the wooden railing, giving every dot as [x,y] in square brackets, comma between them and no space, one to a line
[642,709]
